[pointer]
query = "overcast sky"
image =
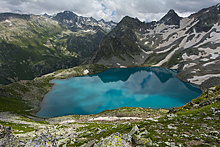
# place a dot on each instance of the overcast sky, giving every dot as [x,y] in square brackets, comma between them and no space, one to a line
[145,10]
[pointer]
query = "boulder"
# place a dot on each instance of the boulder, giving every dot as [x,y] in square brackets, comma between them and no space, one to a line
[90,144]
[171,115]
[134,130]
[171,126]
[113,141]
[142,141]
[214,133]
[100,131]
[126,137]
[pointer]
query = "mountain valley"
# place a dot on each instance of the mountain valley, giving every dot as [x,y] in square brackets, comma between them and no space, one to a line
[35,49]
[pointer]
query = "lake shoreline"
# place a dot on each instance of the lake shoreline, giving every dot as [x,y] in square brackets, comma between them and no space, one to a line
[40,86]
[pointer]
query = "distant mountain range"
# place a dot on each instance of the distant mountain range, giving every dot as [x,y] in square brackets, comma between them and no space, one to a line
[76,23]
[32,45]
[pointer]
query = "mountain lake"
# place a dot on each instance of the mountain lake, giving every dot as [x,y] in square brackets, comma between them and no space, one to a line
[144,87]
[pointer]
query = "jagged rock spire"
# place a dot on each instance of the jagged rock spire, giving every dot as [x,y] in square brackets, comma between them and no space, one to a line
[171,18]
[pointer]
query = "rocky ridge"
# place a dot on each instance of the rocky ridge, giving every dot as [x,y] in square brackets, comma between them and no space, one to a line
[76,23]
[189,45]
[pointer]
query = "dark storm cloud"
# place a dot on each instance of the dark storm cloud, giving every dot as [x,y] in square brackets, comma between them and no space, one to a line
[108,9]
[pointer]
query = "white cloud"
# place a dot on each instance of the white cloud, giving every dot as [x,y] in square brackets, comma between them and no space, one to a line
[143,9]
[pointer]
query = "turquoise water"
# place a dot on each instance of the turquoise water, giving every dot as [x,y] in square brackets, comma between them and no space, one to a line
[131,87]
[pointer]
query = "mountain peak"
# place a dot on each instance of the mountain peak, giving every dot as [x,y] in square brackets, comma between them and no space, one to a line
[171,18]
[171,11]
[68,13]
[128,19]
[130,22]
[46,15]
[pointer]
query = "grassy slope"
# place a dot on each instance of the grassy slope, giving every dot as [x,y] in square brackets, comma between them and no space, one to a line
[23,51]
[24,97]
[36,46]
[190,127]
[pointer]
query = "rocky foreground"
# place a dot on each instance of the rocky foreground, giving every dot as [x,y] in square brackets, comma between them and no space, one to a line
[195,124]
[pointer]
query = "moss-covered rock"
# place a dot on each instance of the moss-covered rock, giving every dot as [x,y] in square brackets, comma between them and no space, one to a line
[113,141]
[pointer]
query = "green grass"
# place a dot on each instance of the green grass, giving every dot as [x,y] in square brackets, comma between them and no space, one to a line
[199,111]
[18,128]
[110,129]
[21,97]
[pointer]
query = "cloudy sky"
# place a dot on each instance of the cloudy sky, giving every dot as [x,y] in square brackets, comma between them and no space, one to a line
[145,10]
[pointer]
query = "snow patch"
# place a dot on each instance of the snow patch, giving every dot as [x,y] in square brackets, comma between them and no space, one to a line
[188,65]
[123,66]
[166,59]
[89,31]
[177,33]
[85,72]
[206,11]
[8,22]
[192,57]
[185,22]
[67,122]
[208,63]
[214,36]
[205,59]
[152,43]
[215,53]
[175,66]
[148,52]
[200,79]
[152,119]
[164,51]
[195,70]
[114,118]
[169,42]
[146,42]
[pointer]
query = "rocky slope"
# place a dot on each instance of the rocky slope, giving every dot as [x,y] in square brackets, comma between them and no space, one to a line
[31,45]
[88,32]
[190,45]
[195,124]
